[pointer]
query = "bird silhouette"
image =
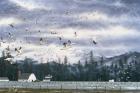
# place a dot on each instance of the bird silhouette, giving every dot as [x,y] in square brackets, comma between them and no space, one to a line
[18,50]
[60,38]
[11,25]
[75,33]
[69,42]
[41,41]
[65,44]
[94,42]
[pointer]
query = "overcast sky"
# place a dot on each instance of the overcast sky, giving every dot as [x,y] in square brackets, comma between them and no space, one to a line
[114,24]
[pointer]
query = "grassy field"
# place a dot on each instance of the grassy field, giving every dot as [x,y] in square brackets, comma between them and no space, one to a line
[60,91]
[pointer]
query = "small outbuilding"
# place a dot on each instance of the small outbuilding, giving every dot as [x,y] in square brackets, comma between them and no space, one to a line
[47,78]
[27,77]
[111,80]
[4,79]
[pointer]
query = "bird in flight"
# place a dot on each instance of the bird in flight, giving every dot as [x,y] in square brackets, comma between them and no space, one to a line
[18,50]
[11,25]
[94,42]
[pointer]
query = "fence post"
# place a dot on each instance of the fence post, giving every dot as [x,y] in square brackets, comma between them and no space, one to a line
[61,89]
[47,88]
[76,88]
[120,89]
[96,88]
[137,86]
[105,89]
[40,87]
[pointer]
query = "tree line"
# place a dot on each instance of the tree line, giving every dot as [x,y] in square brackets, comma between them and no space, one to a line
[90,70]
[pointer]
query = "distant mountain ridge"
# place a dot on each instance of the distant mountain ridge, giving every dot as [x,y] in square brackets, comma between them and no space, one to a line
[125,58]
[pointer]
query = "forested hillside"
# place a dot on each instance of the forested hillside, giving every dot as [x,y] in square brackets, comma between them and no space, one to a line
[125,68]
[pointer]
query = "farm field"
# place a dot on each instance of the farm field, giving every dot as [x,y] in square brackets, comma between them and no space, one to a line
[72,85]
[69,87]
[10,90]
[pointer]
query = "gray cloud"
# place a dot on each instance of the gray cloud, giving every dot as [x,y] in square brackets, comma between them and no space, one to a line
[64,14]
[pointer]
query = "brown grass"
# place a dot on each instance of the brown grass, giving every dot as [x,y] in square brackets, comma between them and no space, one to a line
[61,91]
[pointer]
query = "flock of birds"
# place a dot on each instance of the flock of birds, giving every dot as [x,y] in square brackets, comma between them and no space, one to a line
[66,44]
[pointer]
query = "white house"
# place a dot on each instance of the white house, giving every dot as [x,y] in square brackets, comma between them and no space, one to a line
[4,79]
[47,78]
[27,77]
[111,80]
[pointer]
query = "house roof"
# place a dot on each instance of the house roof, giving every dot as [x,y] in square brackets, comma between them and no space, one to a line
[24,76]
[4,78]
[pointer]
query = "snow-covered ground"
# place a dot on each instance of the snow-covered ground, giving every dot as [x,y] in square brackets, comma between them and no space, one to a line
[73,85]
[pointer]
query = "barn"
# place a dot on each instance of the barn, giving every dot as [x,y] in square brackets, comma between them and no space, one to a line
[27,77]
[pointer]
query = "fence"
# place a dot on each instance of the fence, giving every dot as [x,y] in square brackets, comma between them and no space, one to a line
[73,85]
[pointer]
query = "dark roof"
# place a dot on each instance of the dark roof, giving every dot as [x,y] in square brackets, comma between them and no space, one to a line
[24,76]
[4,78]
